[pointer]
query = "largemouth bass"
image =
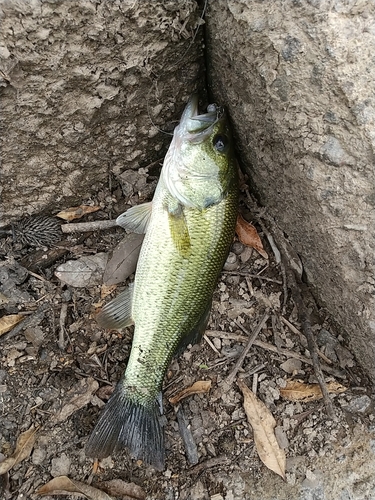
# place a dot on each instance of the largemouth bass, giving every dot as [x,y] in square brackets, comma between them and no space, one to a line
[188,226]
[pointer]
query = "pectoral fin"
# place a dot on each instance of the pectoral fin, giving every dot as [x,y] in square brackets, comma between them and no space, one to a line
[136,219]
[117,313]
[180,233]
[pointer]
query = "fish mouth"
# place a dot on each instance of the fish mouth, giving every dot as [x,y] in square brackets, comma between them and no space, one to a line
[196,127]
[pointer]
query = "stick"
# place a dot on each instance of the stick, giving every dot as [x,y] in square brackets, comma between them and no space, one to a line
[237,366]
[295,330]
[84,227]
[33,320]
[211,462]
[311,344]
[212,346]
[187,437]
[249,275]
[63,314]
[272,348]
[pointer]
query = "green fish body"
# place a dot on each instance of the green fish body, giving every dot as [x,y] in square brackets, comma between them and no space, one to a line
[189,226]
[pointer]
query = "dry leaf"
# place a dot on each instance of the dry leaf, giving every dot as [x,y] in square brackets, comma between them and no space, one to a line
[263,424]
[199,387]
[248,235]
[124,258]
[84,272]
[9,322]
[296,390]
[24,446]
[77,397]
[62,485]
[106,290]
[121,489]
[77,212]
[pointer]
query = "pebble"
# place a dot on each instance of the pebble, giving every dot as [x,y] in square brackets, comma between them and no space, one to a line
[360,404]
[246,254]
[231,262]
[60,466]
[237,247]
[198,491]
[281,437]
[291,365]
[38,456]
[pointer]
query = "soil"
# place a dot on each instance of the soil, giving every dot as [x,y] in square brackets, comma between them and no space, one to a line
[326,458]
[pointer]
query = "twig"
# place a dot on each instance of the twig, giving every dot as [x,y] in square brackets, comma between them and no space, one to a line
[272,348]
[212,462]
[296,331]
[248,275]
[31,321]
[311,344]
[187,437]
[63,314]
[212,345]
[84,227]
[255,383]
[237,366]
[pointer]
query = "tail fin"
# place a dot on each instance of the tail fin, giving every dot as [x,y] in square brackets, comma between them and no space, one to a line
[125,423]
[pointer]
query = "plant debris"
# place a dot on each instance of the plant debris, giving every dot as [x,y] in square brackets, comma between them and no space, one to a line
[9,322]
[24,446]
[296,390]
[263,424]
[199,387]
[73,213]
[248,235]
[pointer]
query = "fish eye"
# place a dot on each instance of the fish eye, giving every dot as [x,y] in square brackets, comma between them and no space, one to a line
[220,143]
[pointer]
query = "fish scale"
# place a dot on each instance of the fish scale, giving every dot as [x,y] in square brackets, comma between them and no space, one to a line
[188,226]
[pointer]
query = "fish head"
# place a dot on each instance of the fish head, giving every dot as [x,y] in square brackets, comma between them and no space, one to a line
[199,166]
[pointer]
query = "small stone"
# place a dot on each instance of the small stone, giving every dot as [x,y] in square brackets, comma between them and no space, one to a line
[198,491]
[231,262]
[360,404]
[34,335]
[60,466]
[281,437]
[291,365]
[38,456]
[237,247]
[246,254]
[217,343]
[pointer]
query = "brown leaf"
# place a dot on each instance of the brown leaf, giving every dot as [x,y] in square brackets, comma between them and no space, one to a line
[77,212]
[199,387]
[62,485]
[24,446]
[77,397]
[123,260]
[9,322]
[263,424]
[296,390]
[120,489]
[106,290]
[248,235]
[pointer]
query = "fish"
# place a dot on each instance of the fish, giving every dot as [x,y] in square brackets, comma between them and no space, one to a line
[189,226]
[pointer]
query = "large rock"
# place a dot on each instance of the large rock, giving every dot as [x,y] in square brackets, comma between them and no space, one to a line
[81,83]
[298,78]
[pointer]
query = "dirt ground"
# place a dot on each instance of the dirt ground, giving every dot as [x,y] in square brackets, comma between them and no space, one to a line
[326,459]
